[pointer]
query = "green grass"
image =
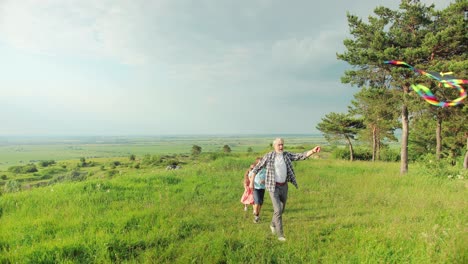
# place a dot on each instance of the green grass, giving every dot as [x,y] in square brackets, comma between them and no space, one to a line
[343,212]
[20,150]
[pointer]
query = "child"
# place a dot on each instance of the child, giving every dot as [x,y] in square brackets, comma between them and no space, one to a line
[247,197]
[259,191]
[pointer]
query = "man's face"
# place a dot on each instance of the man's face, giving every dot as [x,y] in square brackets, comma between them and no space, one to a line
[279,146]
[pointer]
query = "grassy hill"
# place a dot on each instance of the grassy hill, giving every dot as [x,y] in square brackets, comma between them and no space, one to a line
[343,212]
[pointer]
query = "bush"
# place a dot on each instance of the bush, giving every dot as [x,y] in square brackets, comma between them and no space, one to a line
[172,162]
[29,168]
[390,155]
[111,173]
[440,168]
[12,186]
[46,163]
[76,175]
[151,159]
[116,163]
[386,154]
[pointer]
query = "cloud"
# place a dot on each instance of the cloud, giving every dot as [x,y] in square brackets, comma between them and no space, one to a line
[171,66]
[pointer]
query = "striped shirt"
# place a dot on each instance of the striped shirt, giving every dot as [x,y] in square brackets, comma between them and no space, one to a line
[268,162]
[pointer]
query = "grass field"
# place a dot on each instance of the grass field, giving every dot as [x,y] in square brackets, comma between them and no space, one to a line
[343,212]
[23,150]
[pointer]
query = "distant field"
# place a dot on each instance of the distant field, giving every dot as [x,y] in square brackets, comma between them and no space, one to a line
[23,150]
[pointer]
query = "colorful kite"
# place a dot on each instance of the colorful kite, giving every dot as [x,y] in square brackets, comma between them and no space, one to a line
[443,78]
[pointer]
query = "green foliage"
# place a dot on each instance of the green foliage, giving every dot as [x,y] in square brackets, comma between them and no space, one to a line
[226,149]
[336,126]
[196,150]
[389,155]
[151,159]
[29,168]
[12,186]
[216,155]
[73,175]
[418,34]
[46,163]
[444,168]
[359,154]
[365,154]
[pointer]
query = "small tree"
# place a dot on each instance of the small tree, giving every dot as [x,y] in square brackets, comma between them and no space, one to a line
[249,150]
[132,157]
[82,162]
[226,149]
[196,150]
[336,126]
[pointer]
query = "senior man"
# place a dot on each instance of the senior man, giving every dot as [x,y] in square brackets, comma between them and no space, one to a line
[279,171]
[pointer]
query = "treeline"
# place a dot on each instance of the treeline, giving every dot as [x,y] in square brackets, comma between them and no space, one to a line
[429,39]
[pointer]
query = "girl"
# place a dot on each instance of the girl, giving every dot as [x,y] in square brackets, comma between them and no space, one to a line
[247,197]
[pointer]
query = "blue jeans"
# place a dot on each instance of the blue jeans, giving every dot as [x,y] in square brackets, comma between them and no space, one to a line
[278,199]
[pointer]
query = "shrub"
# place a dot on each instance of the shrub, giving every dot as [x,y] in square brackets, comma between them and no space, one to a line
[29,168]
[386,154]
[111,173]
[172,162]
[390,155]
[116,163]
[226,149]
[12,186]
[151,159]
[196,150]
[46,163]
[440,168]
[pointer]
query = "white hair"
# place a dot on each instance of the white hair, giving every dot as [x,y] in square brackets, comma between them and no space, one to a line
[277,140]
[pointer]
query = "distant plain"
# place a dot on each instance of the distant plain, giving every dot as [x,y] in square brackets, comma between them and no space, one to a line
[24,150]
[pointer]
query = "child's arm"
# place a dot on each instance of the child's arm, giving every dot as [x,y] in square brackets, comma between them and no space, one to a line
[252,179]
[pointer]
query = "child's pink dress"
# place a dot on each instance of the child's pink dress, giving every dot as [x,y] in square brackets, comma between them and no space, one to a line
[247,196]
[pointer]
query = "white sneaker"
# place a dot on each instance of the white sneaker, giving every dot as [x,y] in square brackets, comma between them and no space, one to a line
[273,230]
[281,239]
[256,219]
[245,208]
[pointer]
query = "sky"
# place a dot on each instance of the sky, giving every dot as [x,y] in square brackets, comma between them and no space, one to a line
[174,67]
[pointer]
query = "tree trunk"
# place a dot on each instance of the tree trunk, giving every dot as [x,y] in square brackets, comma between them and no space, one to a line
[351,156]
[465,162]
[374,145]
[377,142]
[404,139]
[438,138]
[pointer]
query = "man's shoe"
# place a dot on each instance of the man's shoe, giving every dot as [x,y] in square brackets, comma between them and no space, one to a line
[281,239]
[256,219]
[273,230]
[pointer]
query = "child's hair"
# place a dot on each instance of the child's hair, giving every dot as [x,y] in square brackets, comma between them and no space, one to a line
[246,175]
[257,160]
